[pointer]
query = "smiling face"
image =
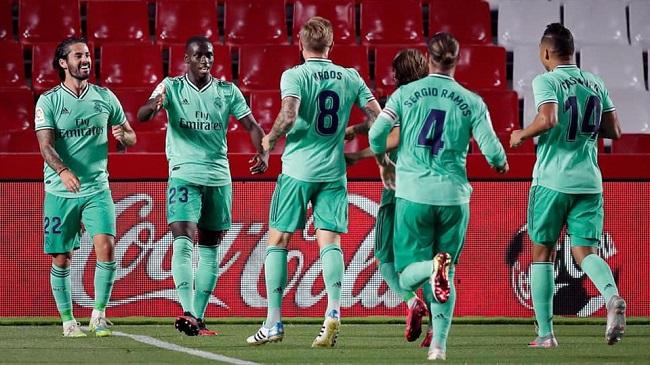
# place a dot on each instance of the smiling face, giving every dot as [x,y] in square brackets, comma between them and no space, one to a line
[199,57]
[77,64]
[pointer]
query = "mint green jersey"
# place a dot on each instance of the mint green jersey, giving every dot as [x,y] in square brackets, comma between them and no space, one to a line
[437,118]
[196,131]
[567,154]
[81,126]
[314,146]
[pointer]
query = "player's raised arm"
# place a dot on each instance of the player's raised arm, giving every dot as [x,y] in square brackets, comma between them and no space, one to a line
[283,123]
[154,104]
[124,134]
[260,161]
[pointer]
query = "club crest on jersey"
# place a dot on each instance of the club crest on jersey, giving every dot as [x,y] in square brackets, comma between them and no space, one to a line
[97,106]
[218,103]
[572,296]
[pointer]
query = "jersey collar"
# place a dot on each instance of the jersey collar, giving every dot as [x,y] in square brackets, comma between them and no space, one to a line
[83,92]
[205,87]
[315,59]
[442,76]
[560,67]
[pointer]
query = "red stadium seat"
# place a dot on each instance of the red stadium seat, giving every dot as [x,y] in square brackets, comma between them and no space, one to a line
[503,106]
[260,68]
[265,106]
[352,56]
[388,22]
[177,20]
[240,142]
[221,69]
[469,23]
[48,21]
[17,109]
[5,20]
[482,67]
[148,142]
[19,142]
[119,69]
[339,12]
[384,81]
[255,22]
[44,77]
[132,100]
[126,21]
[11,65]
[632,143]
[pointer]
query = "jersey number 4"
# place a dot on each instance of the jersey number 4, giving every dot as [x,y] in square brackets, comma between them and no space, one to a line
[590,120]
[327,121]
[433,141]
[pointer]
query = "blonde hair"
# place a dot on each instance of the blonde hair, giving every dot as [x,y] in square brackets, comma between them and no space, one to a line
[316,34]
[443,48]
[409,65]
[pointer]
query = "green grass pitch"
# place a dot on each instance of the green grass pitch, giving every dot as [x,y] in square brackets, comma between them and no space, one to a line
[358,344]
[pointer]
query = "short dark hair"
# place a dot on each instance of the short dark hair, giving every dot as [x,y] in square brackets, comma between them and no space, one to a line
[561,39]
[197,39]
[62,51]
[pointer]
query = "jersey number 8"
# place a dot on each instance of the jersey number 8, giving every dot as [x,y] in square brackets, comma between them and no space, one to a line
[327,121]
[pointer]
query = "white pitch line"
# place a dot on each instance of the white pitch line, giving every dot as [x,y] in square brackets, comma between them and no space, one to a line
[173,347]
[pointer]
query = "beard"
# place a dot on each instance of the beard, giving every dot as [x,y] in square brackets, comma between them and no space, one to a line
[76,73]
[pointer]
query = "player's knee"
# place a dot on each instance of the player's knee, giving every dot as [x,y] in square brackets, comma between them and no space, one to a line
[211,238]
[187,229]
[62,260]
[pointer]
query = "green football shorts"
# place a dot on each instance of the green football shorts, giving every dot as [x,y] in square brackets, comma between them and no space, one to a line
[62,219]
[291,197]
[384,233]
[207,206]
[423,230]
[549,210]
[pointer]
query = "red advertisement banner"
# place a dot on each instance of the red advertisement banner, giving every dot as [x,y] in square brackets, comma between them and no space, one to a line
[492,278]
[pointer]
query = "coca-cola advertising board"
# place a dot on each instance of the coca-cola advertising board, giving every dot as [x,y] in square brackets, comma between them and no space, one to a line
[492,278]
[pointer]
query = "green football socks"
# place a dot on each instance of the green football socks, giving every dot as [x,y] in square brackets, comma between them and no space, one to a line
[387,270]
[104,278]
[275,274]
[601,275]
[415,274]
[333,270]
[60,283]
[182,272]
[442,314]
[206,278]
[542,285]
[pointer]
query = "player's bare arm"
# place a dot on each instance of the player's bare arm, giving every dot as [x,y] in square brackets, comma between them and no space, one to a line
[391,144]
[371,110]
[283,123]
[153,105]
[609,126]
[51,157]
[259,162]
[124,134]
[545,119]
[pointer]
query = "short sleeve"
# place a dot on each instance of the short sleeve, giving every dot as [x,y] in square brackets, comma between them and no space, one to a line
[364,95]
[238,106]
[543,91]
[392,109]
[44,115]
[608,104]
[117,116]
[289,85]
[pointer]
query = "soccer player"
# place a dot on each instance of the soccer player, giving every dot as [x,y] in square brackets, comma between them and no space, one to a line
[199,192]
[573,110]
[408,65]
[437,118]
[71,122]
[317,97]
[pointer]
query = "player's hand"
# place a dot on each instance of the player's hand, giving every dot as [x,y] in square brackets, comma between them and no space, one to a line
[387,173]
[350,133]
[70,181]
[516,138]
[267,144]
[259,163]
[160,99]
[118,133]
[502,169]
